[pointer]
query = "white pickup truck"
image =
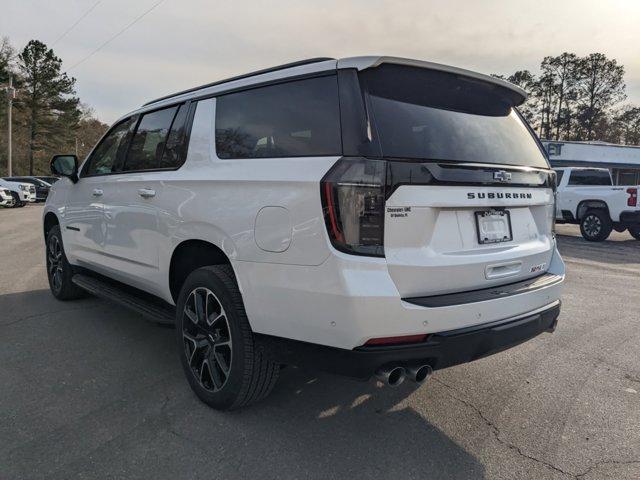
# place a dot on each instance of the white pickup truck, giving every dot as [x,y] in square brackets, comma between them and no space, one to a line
[587,196]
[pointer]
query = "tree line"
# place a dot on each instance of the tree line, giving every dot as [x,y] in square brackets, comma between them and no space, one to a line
[571,98]
[48,116]
[579,98]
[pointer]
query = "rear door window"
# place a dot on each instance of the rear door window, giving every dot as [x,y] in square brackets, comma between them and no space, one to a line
[174,149]
[294,119]
[149,141]
[590,177]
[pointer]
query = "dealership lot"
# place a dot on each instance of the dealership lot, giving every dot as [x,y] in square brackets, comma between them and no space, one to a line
[90,390]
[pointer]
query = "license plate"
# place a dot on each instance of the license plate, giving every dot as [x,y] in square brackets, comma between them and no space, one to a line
[493,226]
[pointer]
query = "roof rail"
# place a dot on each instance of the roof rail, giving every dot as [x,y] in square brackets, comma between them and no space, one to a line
[245,75]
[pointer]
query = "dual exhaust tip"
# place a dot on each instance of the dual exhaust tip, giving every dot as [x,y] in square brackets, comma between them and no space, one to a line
[394,376]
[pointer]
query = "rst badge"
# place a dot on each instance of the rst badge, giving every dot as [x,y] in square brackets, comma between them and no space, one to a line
[537,268]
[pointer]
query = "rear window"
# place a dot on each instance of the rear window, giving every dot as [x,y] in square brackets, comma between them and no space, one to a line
[590,177]
[431,115]
[293,119]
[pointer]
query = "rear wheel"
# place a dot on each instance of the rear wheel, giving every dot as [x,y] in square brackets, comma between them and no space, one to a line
[596,226]
[223,364]
[635,232]
[59,270]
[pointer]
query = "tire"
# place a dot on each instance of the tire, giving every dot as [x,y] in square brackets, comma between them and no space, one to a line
[16,200]
[59,270]
[223,364]
[595,225]
[635,232]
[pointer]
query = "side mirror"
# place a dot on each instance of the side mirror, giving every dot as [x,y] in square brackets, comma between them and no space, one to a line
[65,166]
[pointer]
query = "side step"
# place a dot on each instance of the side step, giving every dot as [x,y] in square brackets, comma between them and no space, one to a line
[164,315]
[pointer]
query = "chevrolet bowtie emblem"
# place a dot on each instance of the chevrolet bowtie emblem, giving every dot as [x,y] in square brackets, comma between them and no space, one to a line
[502,176]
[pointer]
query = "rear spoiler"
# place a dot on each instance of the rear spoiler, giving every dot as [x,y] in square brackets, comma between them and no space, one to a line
[363,63]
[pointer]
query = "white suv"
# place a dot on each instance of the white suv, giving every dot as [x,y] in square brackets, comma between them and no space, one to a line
[368,215]
[22,192]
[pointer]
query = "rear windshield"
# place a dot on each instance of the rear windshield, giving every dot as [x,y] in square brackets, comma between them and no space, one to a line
[431,115]
[590,177]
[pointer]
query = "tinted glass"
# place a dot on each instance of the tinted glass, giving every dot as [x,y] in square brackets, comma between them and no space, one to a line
[109,153]
[627,177]
[293,119]
[424,114]
[173,155]
[559,174]
[148,142]
[590,177]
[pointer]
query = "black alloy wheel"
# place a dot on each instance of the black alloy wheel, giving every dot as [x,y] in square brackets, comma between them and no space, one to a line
[207,339]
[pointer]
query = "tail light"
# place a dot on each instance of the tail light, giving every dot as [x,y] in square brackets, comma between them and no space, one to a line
[353,197]
[632,201]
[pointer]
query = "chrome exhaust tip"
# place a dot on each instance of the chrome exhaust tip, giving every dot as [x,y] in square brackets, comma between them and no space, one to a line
[419,373]
[391,376]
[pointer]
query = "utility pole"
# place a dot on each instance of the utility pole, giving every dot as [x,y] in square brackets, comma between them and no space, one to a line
[11,94]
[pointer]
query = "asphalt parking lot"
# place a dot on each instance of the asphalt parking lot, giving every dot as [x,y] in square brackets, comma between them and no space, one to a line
[90,390]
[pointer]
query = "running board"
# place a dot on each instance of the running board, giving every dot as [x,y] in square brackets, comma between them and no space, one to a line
[109,291]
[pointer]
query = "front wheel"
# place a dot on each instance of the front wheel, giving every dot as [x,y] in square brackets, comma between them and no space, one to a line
[596,226]
[635,232]
[16,200]
[59,270]
[223,364]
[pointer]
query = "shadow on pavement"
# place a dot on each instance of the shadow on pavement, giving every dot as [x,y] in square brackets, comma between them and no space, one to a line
[96,391]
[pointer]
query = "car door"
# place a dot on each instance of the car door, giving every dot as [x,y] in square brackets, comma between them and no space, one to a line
[132,196]
[83,221]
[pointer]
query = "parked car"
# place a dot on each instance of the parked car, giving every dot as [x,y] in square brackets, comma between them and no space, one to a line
[326,213]
[50,180]
[22,192]
[587,197]
[42,187]
[6,199]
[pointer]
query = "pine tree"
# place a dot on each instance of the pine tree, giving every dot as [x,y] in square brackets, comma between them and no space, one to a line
[47,100]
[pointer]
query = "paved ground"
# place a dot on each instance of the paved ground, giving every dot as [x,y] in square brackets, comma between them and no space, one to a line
[89,390]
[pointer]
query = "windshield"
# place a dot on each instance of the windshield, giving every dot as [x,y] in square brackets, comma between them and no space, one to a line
[431,115]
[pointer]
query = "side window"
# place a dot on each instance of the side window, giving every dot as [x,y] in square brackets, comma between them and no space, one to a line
[559,174]
[293,119]
[589,177]
[109,153]
[173,155]
[148,143]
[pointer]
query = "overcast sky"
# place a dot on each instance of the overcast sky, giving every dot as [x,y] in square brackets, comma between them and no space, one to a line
[183,43]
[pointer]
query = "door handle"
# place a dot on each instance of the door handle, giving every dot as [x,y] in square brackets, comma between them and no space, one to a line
[146,193]
[97,192]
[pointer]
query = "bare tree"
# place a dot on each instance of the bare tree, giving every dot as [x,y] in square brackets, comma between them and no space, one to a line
[600,86]
[563,71]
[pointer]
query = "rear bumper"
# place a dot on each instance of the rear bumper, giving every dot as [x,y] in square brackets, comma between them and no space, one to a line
[632,217]
[349,300]
[440,350]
